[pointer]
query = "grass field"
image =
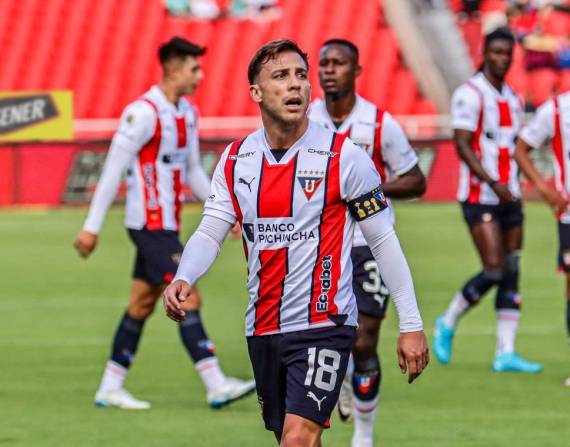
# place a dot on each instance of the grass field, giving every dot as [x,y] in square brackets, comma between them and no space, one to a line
[58,313]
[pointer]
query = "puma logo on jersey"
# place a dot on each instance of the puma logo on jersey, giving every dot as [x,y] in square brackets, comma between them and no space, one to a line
[244,182]
[316,399]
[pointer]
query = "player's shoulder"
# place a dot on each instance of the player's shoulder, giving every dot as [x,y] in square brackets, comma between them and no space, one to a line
[563,100]
[317,109]
[470,89]
[139,112]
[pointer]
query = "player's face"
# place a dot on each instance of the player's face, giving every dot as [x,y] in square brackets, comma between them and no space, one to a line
[187,75]
[337,69]
[282,88]
[498,57]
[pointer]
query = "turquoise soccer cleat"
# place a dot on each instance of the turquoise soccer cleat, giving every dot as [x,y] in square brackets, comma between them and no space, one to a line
[512,362]
[442,341]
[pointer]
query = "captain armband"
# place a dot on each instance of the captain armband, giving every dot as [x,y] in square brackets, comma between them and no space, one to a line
[368,204]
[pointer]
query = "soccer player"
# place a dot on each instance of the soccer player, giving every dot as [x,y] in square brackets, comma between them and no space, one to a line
[486,116]
[157,143]
[298,189]
[378,133]
[552,122]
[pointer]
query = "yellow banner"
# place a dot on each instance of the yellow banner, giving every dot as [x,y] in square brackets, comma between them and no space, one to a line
[36,116]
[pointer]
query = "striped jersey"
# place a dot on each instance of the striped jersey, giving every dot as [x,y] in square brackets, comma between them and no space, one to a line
[495,118]
[552,122]
[166,135]
[296,225]
[379,134]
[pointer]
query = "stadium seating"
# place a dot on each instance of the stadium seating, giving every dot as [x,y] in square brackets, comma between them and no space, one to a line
[105,51]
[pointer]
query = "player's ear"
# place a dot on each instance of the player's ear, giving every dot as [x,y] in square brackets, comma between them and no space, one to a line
[357,70]
[255,93]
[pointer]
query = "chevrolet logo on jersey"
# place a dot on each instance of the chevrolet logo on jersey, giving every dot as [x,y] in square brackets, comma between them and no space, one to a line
[368,204]
[310,181]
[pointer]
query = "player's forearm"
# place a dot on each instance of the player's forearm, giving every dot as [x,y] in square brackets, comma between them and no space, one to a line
[199,182]
[202,249]
[409,185]
[526,165]
[394,270]
[471,160]
[117,161]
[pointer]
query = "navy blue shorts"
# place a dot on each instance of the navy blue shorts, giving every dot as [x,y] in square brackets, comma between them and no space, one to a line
[508,216]
[158,255]
[564,247]
[300,373]
[371,292]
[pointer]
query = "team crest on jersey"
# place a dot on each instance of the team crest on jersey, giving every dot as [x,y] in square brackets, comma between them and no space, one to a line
[310,181]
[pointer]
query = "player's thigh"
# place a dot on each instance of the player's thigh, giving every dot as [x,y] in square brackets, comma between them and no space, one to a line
[143,298]
[269,375]
[316,362]
[512,226]
[298,431]
[488,240]
[564,253]
[367,334]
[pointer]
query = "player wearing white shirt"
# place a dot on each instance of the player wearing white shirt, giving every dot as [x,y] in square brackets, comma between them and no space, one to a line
[486,116]
[157,144]
[377,133]
[298,189]
[552,123]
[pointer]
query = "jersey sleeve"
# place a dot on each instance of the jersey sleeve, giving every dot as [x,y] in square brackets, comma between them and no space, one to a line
[136,126]
[541,126]
[197,179]
[219,202]
[360,183]
[465,109]
[396,149]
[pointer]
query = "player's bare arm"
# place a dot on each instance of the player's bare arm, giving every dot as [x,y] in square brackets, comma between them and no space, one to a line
[408,185]
[557,201]
[462,139]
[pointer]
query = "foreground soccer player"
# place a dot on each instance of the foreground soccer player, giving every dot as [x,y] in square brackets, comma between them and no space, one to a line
[157,142]
[297,189]
[486,116]
[552,122]
[378,133]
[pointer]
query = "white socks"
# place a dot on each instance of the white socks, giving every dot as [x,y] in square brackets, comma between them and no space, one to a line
[364,416]
[457,308]
[211,373]
[507,325]
[113,377]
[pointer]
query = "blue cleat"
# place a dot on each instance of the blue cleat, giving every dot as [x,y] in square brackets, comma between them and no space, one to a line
[512,362]
[442,341]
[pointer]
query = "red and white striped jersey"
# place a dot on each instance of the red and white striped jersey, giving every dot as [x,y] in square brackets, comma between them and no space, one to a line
[378,133]
[552,121]
[166,136]
[296,224]
[495,118]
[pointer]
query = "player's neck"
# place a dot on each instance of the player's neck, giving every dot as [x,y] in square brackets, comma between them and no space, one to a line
[339,106]
[494,80]
[281,136]
[170,92]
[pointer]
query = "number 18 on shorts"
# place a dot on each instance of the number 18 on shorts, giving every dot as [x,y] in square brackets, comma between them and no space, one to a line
[300,373]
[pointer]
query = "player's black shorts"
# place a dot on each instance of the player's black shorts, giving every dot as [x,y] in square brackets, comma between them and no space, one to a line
[564,247]
[300,373]
[158,255]
[371,292]
[508,215]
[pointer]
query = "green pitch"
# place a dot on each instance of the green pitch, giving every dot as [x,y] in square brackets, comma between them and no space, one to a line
[58,314]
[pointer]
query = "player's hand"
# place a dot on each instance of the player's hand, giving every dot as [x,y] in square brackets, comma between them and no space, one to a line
[85,243]
[173,297]
[557,201]
[502,192]
[235,233]
[413,353]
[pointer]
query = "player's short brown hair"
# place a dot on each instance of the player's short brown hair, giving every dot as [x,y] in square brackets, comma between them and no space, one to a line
[270,51]
[179,48]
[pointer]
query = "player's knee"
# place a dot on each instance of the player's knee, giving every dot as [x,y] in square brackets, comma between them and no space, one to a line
[297,438]
[366,378]
[477,286]
[142,307]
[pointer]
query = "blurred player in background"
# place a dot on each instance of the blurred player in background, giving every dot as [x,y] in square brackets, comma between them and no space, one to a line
[486,116]
[298,190]
[378,133]
[552,122]
[157,141]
